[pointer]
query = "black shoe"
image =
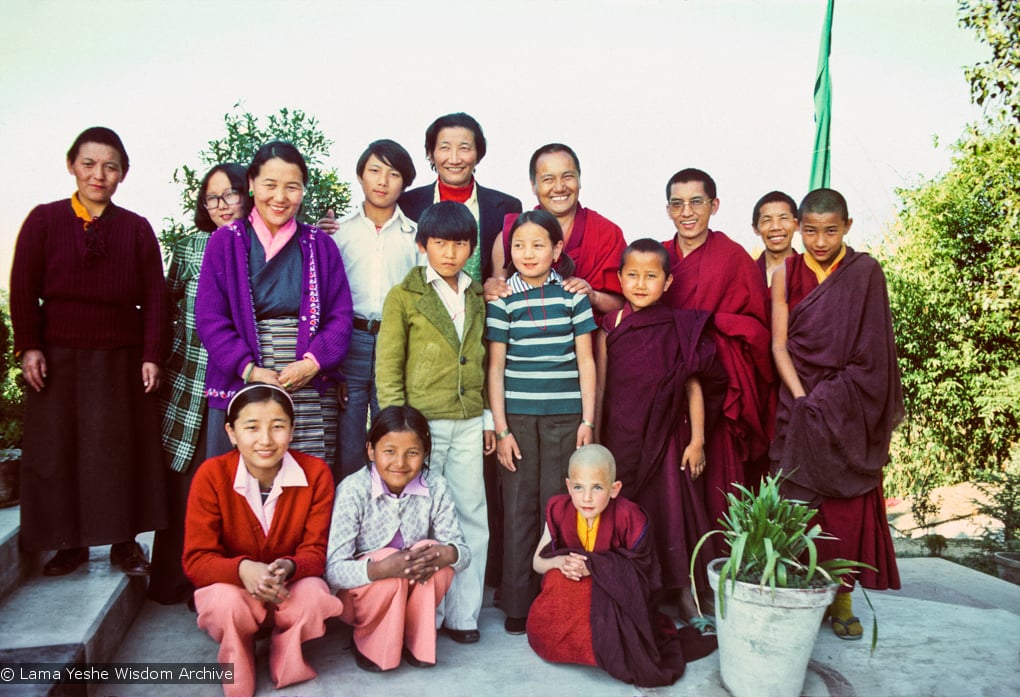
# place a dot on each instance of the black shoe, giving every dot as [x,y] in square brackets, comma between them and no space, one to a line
[65,561]
[516,625]
[130,558]
[409,657]
[363,661]
[463,636]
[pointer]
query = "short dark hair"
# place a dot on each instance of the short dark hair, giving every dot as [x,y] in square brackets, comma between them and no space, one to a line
[103,136]
[283,150]
[455,120]
[549,149]
[397,418]
[393,155]
[256,393]
[773,197]
[824,201]
[447,220]
[236,174]
[646,245]
[692,175]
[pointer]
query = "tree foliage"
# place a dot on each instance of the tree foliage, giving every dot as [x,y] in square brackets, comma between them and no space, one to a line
[995,83]
[245,134]
[954,282]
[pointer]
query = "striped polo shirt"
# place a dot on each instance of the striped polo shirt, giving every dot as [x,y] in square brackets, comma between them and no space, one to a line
[538,325]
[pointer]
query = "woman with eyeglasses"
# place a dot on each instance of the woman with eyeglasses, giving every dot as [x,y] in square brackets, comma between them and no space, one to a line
[274,306]
[88,307]
[222,199]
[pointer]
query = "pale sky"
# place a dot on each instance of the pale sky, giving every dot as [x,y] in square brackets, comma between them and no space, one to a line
[639,88]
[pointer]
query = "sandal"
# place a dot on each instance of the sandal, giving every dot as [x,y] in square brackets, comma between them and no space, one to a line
[704,624]
[849,629]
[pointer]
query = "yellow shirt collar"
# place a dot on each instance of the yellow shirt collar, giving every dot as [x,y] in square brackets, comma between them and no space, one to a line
[820,273]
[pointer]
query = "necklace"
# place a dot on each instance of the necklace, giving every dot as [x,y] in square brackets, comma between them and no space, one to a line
[527,306]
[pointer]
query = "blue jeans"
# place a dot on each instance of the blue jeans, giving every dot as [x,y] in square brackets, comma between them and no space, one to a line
[359,369]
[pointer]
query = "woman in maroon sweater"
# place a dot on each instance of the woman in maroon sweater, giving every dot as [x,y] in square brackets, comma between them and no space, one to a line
[87,305]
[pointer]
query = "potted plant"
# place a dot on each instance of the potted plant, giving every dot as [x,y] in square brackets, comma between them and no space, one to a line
[1002,502]
[771,592]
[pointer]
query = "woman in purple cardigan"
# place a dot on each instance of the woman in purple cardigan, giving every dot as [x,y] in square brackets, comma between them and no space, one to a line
[274,306]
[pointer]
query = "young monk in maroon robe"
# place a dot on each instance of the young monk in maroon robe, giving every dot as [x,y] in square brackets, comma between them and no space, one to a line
[714,274]
[660,389]
[599,575]
[841,396]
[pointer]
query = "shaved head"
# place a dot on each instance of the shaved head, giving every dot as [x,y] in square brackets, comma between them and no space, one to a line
[596,457]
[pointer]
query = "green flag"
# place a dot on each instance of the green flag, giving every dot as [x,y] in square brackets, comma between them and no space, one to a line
[821,163]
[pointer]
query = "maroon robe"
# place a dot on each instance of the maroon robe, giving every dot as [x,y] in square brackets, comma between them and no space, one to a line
[627,638]
[720,277]
[651,354]
[834,443]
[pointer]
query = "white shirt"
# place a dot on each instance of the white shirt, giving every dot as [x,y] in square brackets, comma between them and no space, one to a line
[246,485]
[375,261]
[453,300]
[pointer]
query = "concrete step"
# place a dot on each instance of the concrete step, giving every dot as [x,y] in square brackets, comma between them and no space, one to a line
[78,618]
[14,564]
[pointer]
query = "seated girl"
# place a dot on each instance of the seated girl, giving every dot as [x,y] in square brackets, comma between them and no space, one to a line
[394,545]
[255,541]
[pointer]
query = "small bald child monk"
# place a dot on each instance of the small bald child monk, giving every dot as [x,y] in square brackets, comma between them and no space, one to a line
[599,569]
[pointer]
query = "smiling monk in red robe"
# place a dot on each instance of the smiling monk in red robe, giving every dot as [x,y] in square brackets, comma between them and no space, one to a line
[713,273]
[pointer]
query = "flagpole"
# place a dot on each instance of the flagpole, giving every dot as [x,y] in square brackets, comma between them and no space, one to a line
[821,162]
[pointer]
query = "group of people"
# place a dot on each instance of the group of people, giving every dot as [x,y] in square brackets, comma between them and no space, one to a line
[372,417]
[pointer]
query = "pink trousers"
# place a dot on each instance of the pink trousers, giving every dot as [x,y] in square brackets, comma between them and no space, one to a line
[232,617]
[392,613]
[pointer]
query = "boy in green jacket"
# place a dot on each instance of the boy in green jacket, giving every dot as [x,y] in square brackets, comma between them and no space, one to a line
[431,356]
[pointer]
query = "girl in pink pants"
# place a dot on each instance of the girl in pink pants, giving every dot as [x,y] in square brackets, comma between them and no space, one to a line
[255,542]
[394,545]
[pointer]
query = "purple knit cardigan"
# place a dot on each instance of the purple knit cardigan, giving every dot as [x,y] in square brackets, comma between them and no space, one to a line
[225,314]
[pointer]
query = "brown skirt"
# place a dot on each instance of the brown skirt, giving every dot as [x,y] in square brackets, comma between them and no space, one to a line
[92,466]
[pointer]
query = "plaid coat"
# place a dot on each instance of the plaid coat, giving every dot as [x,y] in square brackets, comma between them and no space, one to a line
[182,398]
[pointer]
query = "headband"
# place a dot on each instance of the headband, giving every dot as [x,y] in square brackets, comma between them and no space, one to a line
[254,385]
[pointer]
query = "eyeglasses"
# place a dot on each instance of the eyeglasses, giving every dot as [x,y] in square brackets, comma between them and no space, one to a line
[678,204]
[229,197]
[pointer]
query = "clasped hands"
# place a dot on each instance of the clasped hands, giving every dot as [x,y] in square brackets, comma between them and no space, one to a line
[573,565]
[265,582]
[292,378]
[417,564]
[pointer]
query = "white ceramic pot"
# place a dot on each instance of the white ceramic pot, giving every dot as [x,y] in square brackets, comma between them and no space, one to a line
[766,637]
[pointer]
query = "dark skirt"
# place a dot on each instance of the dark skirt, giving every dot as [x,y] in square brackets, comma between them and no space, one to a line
[92,464]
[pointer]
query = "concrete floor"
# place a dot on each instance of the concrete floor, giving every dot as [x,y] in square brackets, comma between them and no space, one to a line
[950,632]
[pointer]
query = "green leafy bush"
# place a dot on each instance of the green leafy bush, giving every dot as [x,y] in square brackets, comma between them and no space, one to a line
[953,266]
[245,134]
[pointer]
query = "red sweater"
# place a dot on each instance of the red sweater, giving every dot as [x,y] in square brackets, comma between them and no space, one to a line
[108,302]
[220,530]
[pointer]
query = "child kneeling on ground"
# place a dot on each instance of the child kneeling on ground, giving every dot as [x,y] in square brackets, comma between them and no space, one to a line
[599,569]
[394,545]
